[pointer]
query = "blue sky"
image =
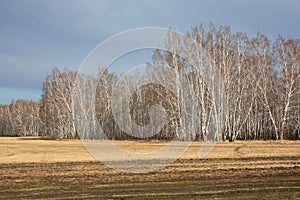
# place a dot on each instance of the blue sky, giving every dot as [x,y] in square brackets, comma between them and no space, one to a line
[38,35]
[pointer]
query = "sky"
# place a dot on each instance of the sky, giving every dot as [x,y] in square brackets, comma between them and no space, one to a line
[38,35]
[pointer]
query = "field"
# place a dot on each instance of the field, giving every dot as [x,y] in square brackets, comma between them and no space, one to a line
[35,168]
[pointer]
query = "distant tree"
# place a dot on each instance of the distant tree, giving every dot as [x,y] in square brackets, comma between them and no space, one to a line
[20,118]
[57,105]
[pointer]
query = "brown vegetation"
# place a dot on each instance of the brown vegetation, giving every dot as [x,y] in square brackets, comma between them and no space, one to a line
[33,168]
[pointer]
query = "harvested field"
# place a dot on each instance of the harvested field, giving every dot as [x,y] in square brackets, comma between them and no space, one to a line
[32,168]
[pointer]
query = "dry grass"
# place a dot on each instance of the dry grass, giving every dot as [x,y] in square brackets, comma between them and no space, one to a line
[31,149]
[32,168]
[34,149]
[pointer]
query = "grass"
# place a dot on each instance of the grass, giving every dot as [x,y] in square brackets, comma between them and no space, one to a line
[41,169]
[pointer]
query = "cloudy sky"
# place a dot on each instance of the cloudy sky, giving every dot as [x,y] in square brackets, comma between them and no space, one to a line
[38,35]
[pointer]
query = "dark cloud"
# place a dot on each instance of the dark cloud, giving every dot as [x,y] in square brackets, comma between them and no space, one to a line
[36,36]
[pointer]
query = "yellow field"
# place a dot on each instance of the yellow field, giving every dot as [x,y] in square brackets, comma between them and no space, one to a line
[33,168]
[34,149]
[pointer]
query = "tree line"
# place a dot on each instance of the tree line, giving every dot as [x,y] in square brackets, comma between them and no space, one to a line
[258,87]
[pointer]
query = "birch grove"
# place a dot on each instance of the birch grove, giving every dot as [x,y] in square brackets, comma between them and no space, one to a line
[258,88]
